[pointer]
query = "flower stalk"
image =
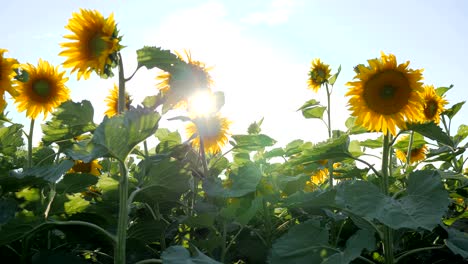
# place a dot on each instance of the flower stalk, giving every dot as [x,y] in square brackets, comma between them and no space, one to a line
[330,162]
[30,139]
[387,232]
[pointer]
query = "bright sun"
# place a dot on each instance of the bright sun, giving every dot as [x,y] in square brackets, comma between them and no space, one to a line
[202,103]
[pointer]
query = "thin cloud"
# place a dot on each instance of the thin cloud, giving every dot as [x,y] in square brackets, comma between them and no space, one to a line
[278,12]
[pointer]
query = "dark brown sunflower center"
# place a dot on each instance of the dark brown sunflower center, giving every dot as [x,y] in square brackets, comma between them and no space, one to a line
[1,72]
[97,45]
[387,92]
[82,167]
[41,88]
[430,110]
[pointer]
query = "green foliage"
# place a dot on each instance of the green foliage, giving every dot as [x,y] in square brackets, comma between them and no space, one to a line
[312,109]
[68,121]
[179,255]
[252,142]
[134,126]
[423,206]
[432,131]
[152,57]
[10,139]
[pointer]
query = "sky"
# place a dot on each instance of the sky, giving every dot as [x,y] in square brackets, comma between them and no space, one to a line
[260,50]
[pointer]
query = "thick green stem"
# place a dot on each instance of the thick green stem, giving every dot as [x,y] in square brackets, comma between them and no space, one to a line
[119,254]
[203,157]
[330,162]
[387,232]
[416,250]
[121,102]
[408,153]
[30,139]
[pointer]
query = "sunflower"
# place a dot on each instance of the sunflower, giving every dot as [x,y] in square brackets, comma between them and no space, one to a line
[181,85]
[92,167]
[43,91]
[417,154]
[113,102]
[319,74]
[94,43]
[433,104]
[386,95]
[320,176]
[212,129]
[7,66]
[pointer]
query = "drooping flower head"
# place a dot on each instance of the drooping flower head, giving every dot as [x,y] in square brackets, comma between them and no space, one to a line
[93,45]
[92,167]
[319,74]
[112,101]
[183,84]
[320,175]
[43,90]
[418,152]
[433,104]
[386,95]
[7,73]
[213,129]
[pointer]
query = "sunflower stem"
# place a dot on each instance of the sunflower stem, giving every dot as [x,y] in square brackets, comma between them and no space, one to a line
[120,249]
[203,157]
[30,139]
[387,232]
[121,100]
[408,153]
[330,162]
[123,216]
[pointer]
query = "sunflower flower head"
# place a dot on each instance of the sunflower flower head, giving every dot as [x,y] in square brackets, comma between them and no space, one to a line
[92,167]
[418,153]
[180,85]
[212,129]
[94,44]
[112,101]
[386,94]
[318,75]
[320,175]
[7,73]
[433,104]
[43,90]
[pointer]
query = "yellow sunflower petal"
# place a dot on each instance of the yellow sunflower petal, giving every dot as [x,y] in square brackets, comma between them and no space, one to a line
[214,131]
[319,74]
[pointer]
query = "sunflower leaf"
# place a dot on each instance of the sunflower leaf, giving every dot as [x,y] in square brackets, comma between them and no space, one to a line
[440,91]
[133,127]
[332,79]
[353,128]
[432,131]
[450,113]
[373,143]
[253,142]
[418,142]
[423,206]
[336,149]
[50,173]
[165,60]
[69,120]
[314,112]
[10,139]
[179,254]
[457,242]
[76,182]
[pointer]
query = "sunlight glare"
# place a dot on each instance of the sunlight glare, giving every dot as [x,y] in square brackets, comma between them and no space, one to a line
[202,103]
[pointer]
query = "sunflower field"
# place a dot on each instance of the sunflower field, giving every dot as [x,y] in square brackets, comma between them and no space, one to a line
[392,188]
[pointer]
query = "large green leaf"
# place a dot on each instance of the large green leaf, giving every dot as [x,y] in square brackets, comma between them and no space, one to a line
[432,131]
[50,173]
[362,239]
[253,142]
[336,149]
[120,134]
[244,181]
[167,140]
[311,199]
[17,228]
[304,243]
[180,255]
[440,91]
[457,242]
[151,57]
[403,143]
[8,208]
[423,206]
[76,182]
[86,151]
[373,143]
[10,139]
[462,133]
[69,120]
[353,128]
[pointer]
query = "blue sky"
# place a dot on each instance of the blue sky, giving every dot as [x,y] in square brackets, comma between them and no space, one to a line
[261,50]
